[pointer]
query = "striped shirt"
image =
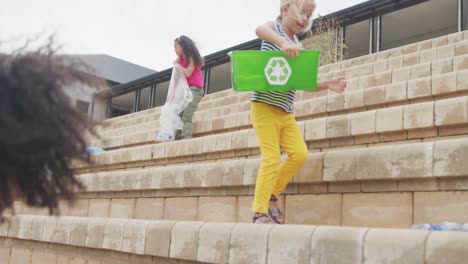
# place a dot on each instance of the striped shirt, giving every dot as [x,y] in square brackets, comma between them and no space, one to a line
[283,100]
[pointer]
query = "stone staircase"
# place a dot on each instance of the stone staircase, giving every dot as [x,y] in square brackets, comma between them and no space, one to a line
[389,152]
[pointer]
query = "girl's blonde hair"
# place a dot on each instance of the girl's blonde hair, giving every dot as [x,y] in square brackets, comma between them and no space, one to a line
[295,6]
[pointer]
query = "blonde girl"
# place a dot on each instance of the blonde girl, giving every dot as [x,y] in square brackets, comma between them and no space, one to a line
[272,114]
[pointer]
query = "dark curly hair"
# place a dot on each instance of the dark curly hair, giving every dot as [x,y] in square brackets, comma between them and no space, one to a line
[42,133]
[190,49]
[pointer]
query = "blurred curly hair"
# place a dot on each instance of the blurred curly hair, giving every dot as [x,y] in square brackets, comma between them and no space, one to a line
[42,133]
[190,50]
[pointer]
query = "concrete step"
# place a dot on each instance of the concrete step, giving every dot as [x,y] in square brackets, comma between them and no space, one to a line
[241,243]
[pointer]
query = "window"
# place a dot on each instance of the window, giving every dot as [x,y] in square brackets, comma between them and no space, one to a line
[82,107]
[427,20]
[122,104]
[99,108]
[161,94]
[357,38]
[144,98]
[220,78]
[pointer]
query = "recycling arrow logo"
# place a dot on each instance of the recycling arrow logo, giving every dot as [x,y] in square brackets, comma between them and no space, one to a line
[277,71]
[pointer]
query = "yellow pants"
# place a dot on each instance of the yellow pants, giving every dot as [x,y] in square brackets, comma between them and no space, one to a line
[275,128]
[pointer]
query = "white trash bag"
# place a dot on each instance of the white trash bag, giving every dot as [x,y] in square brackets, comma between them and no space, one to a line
[179,96]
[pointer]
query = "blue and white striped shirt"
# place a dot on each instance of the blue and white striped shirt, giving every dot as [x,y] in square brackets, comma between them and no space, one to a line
[283,100]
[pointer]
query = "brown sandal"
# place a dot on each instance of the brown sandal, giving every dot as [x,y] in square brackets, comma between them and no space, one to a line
[261,219]
[275,213]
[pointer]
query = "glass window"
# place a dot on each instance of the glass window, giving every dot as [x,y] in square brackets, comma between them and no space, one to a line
[220,78]
[357,39]
[427,20]
[122,104]
[144,98]
[82,107]
[99,108]
[161,94]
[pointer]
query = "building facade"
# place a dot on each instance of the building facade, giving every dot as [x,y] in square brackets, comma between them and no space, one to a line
[114,72]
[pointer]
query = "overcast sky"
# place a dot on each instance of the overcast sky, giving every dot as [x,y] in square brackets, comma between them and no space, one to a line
[141,31]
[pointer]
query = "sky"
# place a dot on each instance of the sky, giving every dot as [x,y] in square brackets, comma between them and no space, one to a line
[140,31]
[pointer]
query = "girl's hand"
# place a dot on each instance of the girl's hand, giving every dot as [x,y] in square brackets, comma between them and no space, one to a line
[290,50]
[338,85]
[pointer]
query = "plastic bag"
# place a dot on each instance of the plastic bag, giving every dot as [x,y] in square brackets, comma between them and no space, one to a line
[169,122]
[179,96]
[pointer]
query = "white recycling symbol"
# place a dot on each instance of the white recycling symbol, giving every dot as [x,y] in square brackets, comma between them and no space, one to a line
[277,71]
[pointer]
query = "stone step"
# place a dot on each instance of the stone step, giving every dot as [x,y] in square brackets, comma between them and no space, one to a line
[403,161]
[426,50]
[15,251]
[241,243]
[358,102]
[422,120]
[438,60]
[391,86]
[400,184]
[374,204]
[400,57]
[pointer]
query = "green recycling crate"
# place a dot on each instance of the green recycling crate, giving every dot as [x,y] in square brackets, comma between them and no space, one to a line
[255,70]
